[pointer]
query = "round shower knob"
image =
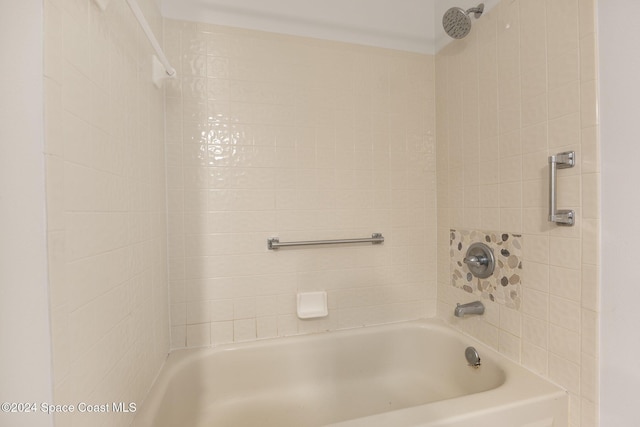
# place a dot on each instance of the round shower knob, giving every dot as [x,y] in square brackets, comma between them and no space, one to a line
[480,260]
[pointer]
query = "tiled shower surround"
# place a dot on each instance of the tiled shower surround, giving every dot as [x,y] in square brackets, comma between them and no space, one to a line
[279,136]
[520,87]
[106,208]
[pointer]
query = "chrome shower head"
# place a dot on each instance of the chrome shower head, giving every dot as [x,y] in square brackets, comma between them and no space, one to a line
[457,22]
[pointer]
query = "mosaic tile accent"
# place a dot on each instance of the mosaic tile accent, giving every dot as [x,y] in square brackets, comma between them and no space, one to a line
[504,286]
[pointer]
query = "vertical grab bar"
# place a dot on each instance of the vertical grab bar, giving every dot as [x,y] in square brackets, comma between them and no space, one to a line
[560,161]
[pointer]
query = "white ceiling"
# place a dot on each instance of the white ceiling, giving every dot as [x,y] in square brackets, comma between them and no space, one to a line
[413,25]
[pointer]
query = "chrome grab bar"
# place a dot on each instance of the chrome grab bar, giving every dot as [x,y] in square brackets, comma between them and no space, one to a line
[560,161]
[275,243]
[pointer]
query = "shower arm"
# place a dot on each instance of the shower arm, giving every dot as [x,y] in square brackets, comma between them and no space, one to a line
[477,11]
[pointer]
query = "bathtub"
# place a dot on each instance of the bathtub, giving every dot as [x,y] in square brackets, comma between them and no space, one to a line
[398,375]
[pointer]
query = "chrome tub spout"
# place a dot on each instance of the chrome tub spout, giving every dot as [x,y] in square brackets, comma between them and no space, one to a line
[475,307]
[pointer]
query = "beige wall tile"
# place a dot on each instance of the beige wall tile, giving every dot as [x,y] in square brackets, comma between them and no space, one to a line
[564,69]
[564,100]
[591,195]
[565,373]
[564,252]
[564,343]
[534,358]
[302,154]
[565,282]
[535,331]
[549,50]
[106,208]
[198,335]
[536,304]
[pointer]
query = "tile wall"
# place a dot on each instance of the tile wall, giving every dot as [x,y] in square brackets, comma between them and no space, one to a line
[521,87]
[106,207]
[272,135]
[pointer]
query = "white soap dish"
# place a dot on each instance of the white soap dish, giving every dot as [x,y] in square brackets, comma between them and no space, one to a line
[312,305]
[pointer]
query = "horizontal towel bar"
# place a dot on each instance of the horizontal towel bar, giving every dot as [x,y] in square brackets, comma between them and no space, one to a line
[275,243]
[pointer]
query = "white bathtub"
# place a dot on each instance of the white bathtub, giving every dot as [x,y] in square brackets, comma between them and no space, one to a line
[399,375]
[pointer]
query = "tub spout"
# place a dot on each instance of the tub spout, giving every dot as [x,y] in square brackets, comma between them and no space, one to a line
[475,307]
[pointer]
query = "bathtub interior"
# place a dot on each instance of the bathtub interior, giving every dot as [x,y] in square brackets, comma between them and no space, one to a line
[319,380]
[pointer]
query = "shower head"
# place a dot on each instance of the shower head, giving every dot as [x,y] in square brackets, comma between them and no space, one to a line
[457,22]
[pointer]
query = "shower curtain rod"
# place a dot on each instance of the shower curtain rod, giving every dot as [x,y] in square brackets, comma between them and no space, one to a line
[135,8]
